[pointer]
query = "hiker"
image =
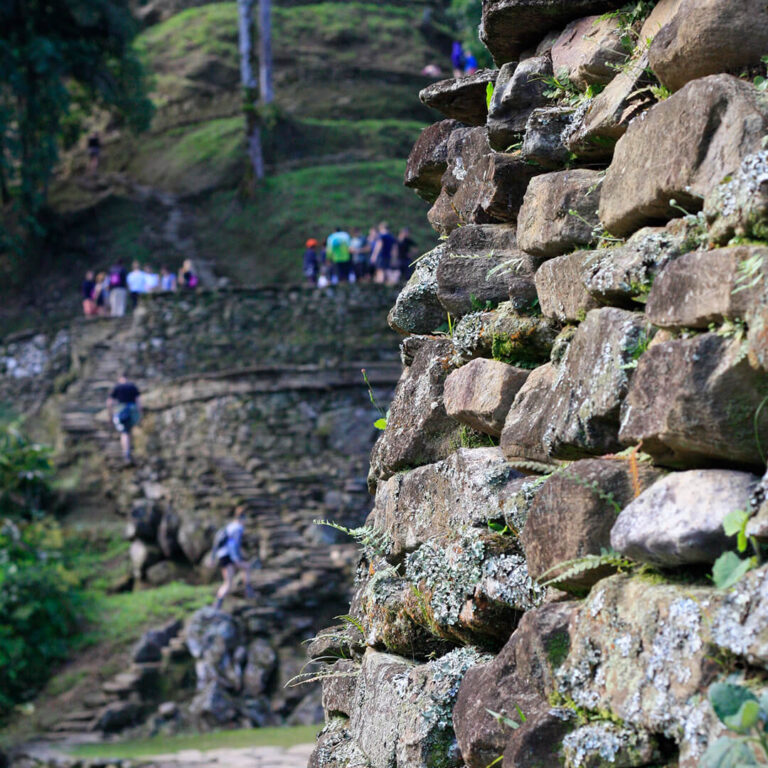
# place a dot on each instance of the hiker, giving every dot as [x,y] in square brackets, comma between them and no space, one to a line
[358,247]
[470,65]
[457,59]
[118,289]
[337,253]
[405,244]
[127,398]
[187,275]
[151,280]
[94,150]
[167,280]
[227,550]
[89,289]
[137,283]
[101,294]
[311,261]
[382,255]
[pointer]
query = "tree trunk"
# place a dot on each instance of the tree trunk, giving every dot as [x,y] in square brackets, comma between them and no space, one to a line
[265,52]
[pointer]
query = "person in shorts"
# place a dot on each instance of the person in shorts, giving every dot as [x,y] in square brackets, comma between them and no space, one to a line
[124,408]
[229,557]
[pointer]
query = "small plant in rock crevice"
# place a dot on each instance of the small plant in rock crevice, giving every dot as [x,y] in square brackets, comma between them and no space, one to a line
[580,565]
[730,568]
[373,541]
[636,351]
[381,422]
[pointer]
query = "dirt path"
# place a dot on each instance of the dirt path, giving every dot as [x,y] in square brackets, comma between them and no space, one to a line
[250,757]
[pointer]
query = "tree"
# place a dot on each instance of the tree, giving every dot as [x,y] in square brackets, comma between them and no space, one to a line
[256,94]
[56,55]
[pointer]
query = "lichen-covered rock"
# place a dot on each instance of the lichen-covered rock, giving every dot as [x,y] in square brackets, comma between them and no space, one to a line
[418,429]
[602,121]
[462,99]
[706,287]
[480,394]
[573,513]
[559,212]
[417,308]
[641,651]
[704,131]
[680,519]
[738,205]
[519,90]
[429,159]
[336,748]
[471,488]
[709,36]
[588,51]
[563,296]
[339,688]
[543,143]
[694,401]
[521,676]
[608,745]
[510,26]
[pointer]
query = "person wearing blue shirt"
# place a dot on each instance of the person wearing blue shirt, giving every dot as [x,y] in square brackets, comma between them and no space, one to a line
[230,558]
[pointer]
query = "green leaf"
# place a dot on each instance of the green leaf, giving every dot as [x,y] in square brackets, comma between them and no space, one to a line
[489,89]
[727,752]
[380,424]
[746,718]
[729,568]
[727,699]
[734,521]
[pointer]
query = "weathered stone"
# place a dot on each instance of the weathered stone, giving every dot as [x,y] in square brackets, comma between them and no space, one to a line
[163,572]
[694,400]
[260,667]
[418,429]
[519,90]
[705,287]
[341,640]
[601,122]
[562,294]
[589,50]
[738,206]
[543,143]
[706,37]
[429,159]
[336,748]
[417,308]
[480,394]
[471,488]
[703,132]
[527,420]
[143,556]
[214,705]
[462,99]
[144,523]
[522,675]
[510,26]
[339,688]
[214,639]
[573,513]
[679,520]
[195,537]
[545,226]
[168,534]
[374,721]
[118,715]
[604,743]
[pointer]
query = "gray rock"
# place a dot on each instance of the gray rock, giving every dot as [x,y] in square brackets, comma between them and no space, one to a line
[679,520]
[545,226]
[214,706]
[143,556]
[339,688]
[694,400]
[462,99]
[118,715]
[417,308]
[336,748]
[543,143]
[704,131]
[429,159]
[563,297]
[595,744]
[195,537]
[480,394]
[260,667]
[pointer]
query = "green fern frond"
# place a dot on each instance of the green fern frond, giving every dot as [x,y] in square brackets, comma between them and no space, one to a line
[374,541]
[539,467]
[580,565]
[353,621]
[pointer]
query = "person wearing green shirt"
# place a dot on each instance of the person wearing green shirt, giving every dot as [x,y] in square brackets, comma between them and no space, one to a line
[338,254]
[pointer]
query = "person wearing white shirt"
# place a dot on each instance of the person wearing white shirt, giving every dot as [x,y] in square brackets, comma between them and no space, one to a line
[151,280]
[137,283]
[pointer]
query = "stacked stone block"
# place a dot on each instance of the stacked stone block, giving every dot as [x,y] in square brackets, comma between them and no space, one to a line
[583,404]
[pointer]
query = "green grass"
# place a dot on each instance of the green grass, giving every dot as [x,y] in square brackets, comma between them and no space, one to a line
[261,239]
[254,737]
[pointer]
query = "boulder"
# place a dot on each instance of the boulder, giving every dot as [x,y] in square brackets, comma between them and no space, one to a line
[195,537]
[703,132]
[215,640]
[339,688]
[573,514]
[705,287]
[118,715]
[510,26]
[679,520]
[260,667]
[335,748]
[417,307]
[521,676]
[214,706]
[522,437]
[462,99]
[694,401]
[604,743]
[519,90]
[589,51]
[418,429]
[429,159]
[559,212]
[163,572]
[144,523]
[704,37]
[738,206]
[480,394]
[543,142]
[143,556]
[563,297]
[471,488]
[600,122]
[168,534]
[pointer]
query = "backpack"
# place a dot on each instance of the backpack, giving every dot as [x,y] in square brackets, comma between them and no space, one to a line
[192,281]
[220,539]
[114,278]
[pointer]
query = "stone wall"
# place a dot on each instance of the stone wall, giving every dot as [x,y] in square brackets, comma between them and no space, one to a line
[561,455]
